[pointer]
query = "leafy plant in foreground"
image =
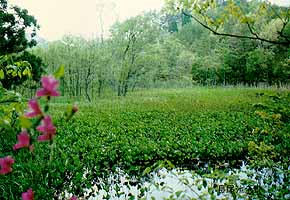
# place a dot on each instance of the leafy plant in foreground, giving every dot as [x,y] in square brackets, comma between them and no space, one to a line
[40,121]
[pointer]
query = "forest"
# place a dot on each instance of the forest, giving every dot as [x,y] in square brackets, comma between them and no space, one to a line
[166,49]
[171,104]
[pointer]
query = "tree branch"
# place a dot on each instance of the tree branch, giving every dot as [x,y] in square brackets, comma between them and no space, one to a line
[252,31]
[282,30]
[285,43]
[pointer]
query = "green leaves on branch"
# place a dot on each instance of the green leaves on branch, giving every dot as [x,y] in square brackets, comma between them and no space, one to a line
[14,24]
[216,15]
[18,69]
[12,73]
[10,108]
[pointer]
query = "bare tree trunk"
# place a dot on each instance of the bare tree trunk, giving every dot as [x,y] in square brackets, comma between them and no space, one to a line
[87,83]
[125,88]
[77,86]
[92,92]
[134,86]
[224,78]
[120,89]
[100,87]
[81,83]
[71,91]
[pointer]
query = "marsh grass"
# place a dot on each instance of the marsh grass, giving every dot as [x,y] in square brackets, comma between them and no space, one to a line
[199,129]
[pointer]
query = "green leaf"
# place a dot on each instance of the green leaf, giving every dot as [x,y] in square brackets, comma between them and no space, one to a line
[147,171]
[25,72]
[14,73]
[169,164]
[29,73]
[19,74]
[2,76]
[178,193]
[59,73]
[25,122]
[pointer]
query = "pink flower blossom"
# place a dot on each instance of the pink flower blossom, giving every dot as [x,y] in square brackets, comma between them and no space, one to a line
[28,195]
[35,109]
[74,198]
[49,86]
[6,164]
[23,141]
[47,128]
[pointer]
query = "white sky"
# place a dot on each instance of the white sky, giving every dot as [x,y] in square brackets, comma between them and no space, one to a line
[281,2]
[81,17]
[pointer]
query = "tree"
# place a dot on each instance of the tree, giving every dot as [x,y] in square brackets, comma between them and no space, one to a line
[17,30]
[130,39]
[141,53]
[17,68]
[88,64]
[190,34]
[172,23]
[215,14]
[14,25]
[259,66]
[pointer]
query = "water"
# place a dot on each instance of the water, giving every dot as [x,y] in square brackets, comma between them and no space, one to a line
[183,184]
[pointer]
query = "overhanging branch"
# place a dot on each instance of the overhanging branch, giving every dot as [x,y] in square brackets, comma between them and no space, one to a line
[284,43]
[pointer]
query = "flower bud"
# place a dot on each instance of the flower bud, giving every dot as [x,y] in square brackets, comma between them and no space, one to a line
[75,109]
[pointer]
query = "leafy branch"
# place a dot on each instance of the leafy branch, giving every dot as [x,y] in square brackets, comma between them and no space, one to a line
[256,36]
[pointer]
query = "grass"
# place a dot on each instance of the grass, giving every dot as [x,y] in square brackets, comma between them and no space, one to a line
[199,98]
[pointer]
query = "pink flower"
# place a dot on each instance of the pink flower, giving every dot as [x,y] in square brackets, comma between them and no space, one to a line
[35,109]
[49,86]
[23,140]
[28,195]
[6,164]
[47,128]
[74,198]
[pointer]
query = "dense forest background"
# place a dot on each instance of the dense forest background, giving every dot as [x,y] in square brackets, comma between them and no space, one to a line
[171,49]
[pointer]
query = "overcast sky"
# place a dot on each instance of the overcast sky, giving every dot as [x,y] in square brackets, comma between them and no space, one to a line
[82,17]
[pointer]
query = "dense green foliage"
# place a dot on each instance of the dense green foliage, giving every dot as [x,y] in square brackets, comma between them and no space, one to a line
[252,16]
[171,50]
[16,69]
[124,125]
[11,107]
[14,23]
[17,30]
[149,129]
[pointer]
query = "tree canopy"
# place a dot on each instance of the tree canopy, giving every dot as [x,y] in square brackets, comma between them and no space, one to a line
[17,30]
[253,16]
[15,25]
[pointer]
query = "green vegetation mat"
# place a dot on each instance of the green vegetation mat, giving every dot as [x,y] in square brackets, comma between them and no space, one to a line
[180,127]
[166,128]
